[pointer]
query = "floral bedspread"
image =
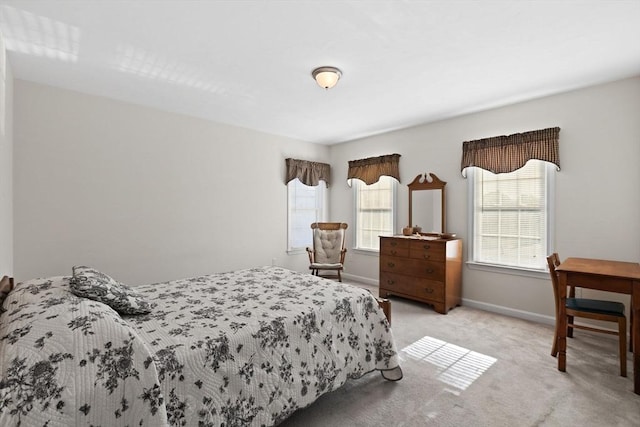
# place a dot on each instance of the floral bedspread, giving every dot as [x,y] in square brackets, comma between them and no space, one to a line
[244,348]
[69,361]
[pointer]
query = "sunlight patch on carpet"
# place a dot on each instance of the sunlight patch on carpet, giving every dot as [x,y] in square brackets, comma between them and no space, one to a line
[458,366]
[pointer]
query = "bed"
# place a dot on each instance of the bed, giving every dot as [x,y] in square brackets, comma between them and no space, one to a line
[242,348]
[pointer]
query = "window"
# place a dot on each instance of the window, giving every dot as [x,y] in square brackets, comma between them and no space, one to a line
[375,211]
[306,205]
[510,216]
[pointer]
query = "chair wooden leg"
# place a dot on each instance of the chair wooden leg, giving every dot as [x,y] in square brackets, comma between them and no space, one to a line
[339,276]
[622,330]
[631,329]
[554,347]
[572,294]
[570,330]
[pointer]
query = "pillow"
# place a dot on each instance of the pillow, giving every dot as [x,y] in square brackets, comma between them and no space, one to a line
[89,283]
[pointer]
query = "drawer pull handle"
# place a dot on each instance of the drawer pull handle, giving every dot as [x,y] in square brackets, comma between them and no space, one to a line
[394,252]
[428,290]
[391,264]
[426,246]
[391,282]
[427,256]
[394,243]
[429,270]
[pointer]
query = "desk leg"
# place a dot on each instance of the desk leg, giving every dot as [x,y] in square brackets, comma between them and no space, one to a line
[635,329]
[562,322]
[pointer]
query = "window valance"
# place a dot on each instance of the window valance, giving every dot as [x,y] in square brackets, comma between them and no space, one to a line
[371,169]
[502,154]
[309,173]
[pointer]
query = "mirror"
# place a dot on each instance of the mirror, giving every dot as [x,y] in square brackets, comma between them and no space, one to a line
[427,207]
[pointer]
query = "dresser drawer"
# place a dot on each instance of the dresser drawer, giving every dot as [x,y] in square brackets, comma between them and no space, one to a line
[413,267]
[395,251]
[394,247]
[416,287]
[427,250]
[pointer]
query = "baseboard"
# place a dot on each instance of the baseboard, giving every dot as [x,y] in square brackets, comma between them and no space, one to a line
[365,280]
[512,312]
[506,311]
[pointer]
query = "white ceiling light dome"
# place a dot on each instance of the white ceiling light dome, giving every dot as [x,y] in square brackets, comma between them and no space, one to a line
[326,77]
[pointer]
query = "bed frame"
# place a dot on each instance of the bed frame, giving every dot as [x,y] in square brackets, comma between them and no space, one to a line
[6,281]
[385,305]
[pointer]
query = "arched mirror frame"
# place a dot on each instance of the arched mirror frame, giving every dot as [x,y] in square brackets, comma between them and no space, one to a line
[420,183]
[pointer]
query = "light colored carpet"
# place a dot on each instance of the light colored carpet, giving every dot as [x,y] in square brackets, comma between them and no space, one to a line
[475,368]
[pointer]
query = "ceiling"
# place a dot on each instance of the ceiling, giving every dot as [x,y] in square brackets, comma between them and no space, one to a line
[249,63]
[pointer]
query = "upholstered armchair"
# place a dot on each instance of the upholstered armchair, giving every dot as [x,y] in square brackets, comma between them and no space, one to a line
[328,250]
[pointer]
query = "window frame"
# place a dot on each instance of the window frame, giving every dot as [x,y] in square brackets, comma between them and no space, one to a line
[356,184]
[542,273]
[321,212]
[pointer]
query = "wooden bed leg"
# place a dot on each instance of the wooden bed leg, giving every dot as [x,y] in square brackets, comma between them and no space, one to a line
[385,305]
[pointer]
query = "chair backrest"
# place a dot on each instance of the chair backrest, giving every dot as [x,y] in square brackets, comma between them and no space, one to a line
[553,261]
[329,239]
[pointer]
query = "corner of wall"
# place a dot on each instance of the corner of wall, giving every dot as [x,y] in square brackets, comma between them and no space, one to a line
[6,163]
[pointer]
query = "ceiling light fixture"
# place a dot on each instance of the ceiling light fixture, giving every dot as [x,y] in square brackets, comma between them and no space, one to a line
[326,77]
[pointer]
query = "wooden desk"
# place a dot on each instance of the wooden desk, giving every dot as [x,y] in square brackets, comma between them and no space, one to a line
[611,276]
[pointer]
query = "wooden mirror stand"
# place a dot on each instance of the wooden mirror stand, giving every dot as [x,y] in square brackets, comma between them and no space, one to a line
[422,182]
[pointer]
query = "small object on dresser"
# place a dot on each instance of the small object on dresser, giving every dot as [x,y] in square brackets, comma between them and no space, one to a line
[407,231]
[417,229]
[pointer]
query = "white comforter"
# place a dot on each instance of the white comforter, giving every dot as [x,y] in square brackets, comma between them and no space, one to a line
[244,348]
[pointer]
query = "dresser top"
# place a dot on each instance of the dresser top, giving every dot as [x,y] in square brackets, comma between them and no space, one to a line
[419,237]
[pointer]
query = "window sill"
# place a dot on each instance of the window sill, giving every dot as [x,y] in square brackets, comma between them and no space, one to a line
[296,251]
[513,271]
[369,252]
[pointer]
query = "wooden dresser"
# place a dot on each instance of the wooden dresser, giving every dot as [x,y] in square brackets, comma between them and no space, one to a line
[424,270]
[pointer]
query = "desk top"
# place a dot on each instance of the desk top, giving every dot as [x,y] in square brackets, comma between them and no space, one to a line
[627,270]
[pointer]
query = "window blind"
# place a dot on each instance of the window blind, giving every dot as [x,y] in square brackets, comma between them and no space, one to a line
[510,216]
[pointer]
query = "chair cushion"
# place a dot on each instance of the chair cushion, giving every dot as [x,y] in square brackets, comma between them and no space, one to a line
[596,306]
[320,266]
[327,245]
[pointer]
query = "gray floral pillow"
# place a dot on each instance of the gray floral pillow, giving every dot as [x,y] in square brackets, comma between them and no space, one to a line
[89,283]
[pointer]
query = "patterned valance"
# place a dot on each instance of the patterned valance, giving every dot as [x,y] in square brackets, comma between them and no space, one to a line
[502,154]
[371,169]
[309,173]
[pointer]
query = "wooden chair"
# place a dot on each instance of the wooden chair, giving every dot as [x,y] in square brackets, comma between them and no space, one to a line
[329,239]
[609,311]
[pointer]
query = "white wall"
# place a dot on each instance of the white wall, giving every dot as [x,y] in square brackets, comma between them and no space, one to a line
[6,164]
[597,190]
[142,194]
[149,196]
